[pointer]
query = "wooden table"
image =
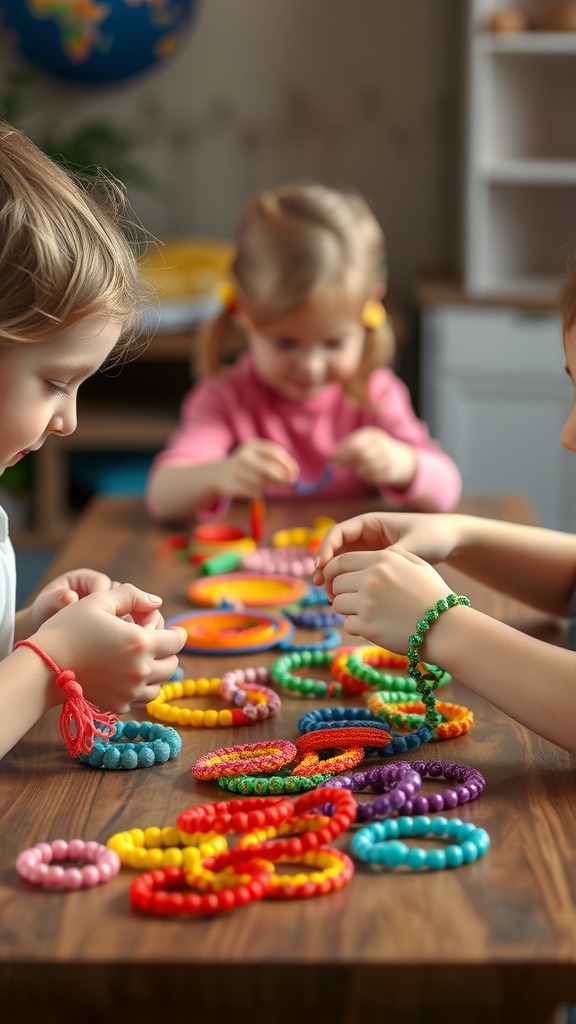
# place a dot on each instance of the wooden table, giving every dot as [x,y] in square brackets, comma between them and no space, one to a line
[492,941]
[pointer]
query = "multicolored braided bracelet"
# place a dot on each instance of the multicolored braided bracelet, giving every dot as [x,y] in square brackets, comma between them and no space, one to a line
[245,759]
[340,717]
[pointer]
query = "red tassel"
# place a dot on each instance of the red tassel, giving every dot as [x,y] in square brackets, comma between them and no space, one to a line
[87,720]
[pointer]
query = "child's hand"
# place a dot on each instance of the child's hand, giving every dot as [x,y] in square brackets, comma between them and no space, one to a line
[383,594]
[432,537]
[116,644]
[64,590]
[257,465]
[377,458]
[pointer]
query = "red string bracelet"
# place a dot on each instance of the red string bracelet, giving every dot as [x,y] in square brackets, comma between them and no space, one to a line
[88,721]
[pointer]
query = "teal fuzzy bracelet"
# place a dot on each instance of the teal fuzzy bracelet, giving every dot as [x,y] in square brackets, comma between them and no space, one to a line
[423,680]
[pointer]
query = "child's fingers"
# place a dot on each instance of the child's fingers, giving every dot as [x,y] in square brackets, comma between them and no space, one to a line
[128,600]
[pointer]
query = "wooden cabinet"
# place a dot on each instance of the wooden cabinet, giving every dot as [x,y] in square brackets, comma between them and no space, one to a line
[519,206]
[494,392]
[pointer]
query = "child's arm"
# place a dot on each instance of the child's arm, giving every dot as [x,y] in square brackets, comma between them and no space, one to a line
[117,662]
[532,564]
[178,491]
[384,595]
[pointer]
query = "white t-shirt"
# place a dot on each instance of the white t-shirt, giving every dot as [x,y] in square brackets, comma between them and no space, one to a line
[7,588]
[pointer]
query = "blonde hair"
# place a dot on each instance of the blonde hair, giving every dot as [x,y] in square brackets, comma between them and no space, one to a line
[293,244]
[567,295]
[65,250]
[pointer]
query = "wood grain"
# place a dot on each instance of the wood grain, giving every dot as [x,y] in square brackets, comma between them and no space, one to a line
[493,941]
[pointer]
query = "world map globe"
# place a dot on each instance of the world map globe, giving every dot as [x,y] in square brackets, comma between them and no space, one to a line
[96,40]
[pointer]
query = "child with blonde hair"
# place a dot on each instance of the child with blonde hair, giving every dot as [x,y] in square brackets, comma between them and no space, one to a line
[313,403]
[378,569]
[70,298]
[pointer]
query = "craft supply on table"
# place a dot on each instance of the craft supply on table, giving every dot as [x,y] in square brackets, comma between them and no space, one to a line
[398,784]
[313,486]
[157,744]
[423,679]
[257,520]
[455,720]
[38,866]
[381,843]
[246,590]
[226,632]
[152,848]
[243,688]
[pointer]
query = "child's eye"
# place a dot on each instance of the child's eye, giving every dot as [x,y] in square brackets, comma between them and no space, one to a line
[58,390]
[285,344]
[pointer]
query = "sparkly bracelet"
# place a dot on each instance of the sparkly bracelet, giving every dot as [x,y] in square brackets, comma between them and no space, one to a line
[152,848]
[423,681]
[36,864]
[80,721]
[456,720]
[158,744]
[378,843]
[253,701]
[244,759]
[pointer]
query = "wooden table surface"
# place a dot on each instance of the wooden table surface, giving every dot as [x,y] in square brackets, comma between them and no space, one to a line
[491,941]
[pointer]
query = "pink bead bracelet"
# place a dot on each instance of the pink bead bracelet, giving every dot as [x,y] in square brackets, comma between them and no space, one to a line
[36,864]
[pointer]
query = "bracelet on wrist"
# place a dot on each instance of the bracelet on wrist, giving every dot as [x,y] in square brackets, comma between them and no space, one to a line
[423,680]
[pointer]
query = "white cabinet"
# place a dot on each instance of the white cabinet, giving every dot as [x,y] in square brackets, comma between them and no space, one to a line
[495,394]
[519,214]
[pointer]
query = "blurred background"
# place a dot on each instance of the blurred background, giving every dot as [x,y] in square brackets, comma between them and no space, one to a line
[455,131]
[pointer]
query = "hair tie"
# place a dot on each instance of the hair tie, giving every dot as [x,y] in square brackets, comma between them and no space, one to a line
[373,315]
[228,297]
[88,721]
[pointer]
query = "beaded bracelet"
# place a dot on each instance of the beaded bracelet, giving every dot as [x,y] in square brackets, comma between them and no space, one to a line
[254,701]
[309,618]
[260,785]
[159,743]
[157,892]
[357,668]
[344,812]
[422,680]
[235,815]
[339,718]
[378,843]
[336,870]
[291,560]
[294,686]
[399,784]
[152,848]
[36,864]
[456,720]
[471,784]
[244,759]
[328,643]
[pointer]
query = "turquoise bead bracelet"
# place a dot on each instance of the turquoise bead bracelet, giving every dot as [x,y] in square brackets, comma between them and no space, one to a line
[423,681]
[158,744]
[381,843]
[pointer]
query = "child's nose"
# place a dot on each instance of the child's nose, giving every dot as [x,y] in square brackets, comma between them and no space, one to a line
[313,364]
[568,432]
[65,420]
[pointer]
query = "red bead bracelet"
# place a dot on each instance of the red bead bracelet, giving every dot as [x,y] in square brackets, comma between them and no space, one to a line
[236,815]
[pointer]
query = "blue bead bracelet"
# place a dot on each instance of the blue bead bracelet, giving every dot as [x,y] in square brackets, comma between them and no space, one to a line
[158,744]
[380,843]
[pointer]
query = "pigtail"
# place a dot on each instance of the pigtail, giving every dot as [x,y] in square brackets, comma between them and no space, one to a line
[220,340]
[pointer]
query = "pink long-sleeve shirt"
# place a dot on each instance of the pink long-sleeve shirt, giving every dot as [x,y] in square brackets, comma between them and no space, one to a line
[220,413]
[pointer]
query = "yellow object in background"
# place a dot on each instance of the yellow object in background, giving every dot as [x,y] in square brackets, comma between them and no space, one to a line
[187,276]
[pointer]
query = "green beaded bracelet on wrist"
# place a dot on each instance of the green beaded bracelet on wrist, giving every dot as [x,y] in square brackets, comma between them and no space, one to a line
[421,679]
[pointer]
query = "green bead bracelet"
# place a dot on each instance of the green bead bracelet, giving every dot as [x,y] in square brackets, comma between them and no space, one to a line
[424,681]
[281,671]
[374,678]
[272,785]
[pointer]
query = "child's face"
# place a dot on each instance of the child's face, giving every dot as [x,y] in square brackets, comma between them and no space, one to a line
[39,383]
[316,346]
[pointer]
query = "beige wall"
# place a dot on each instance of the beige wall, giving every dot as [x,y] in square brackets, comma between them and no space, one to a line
[362,93]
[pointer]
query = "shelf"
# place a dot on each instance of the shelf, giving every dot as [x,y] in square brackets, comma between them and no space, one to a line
[531,172]
[530,43]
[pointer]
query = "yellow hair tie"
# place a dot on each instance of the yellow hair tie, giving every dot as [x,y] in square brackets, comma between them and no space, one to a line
[373,315]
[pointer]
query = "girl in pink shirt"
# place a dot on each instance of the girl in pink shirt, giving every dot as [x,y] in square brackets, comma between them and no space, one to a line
[313,402]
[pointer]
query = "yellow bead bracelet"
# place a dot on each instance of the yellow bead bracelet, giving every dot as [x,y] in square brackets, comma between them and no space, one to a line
[151,848]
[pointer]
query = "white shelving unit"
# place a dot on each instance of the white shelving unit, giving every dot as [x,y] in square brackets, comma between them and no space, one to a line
[520,177]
